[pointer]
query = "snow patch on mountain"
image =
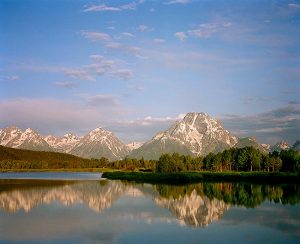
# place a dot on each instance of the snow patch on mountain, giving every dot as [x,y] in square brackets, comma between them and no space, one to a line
[64,143]
[282,145]
[197,131]
[29,139]
[100,143]
[134,145]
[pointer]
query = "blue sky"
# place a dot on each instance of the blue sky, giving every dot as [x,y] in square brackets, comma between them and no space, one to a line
[134,67]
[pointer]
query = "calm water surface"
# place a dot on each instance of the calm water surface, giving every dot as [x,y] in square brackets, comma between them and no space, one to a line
[91,210]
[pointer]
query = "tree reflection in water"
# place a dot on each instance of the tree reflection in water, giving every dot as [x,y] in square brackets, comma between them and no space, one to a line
[194,205]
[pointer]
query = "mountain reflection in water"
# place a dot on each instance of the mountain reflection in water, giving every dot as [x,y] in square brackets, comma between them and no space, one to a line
[193,205]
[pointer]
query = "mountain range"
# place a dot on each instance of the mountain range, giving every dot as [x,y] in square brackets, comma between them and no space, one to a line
[196,134]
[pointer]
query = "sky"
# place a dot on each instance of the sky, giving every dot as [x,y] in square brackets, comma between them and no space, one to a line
[135,67]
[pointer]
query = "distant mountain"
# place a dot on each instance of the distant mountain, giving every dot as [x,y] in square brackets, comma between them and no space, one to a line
[29,139]
[296,146]
[282,145]
[250,142]
[134,145]
[100,143]
[266,147]
[196,134]
[155,148]
[64,143]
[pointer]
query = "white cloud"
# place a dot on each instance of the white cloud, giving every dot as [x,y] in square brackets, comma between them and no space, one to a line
[208,29]
[97,57]
[294,6]
[13,77]
[142,28]
[129,6]
[227,24]
[159,41]
[143,129]
[124,48]
[101,65]
[125,74]
[79,74]
[10,78]
[100,8]
[65,84]
[106,66]
[269,127]
[89,72]
[181,36]
[163,119]
[137,87]
[80,116]
[270,130]
[58,116]
[102,100]
[96,36]
[178,1]
[127,34]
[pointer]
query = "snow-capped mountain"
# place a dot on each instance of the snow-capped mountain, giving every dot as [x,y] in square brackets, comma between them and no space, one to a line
[64,143]
[29,139]
[100,143]
[266,146]
[9,134]
[196,134]
[134,145]
[282,145]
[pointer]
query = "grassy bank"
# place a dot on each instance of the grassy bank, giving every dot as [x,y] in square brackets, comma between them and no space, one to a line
[191,177]
[59,170]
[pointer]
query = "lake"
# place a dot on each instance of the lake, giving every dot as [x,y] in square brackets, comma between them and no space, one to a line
[81,208]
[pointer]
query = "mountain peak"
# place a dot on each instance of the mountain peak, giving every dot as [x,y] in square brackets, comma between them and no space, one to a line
[29,130]
[100,143]
[98,134]
[29,139]
[282,145]
[63,143]
[70,136]
[191,117]
[98,130]
[196,132]
[193,114]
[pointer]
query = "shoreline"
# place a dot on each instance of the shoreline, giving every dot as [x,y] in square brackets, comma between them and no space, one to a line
[100,170]
[194,177]
[181,177]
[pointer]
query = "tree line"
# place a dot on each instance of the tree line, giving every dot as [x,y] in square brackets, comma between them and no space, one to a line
[234,159]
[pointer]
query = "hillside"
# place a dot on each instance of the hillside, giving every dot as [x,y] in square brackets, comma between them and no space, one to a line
[250,142]
[12,158]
